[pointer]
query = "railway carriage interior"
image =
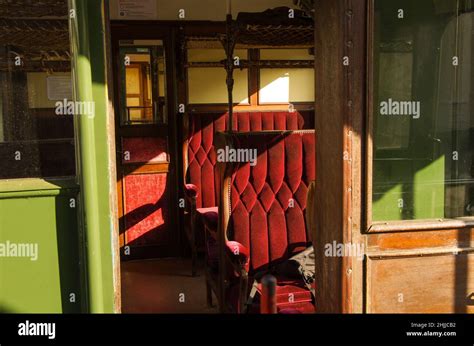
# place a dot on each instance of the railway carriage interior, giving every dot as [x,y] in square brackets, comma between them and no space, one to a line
[214,109]
[244,68]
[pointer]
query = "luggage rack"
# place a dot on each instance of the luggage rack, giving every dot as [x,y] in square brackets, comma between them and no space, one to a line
[269,29]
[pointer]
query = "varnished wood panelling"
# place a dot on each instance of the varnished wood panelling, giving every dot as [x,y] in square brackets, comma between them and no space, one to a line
[418,240]
[438,283]
[329,152]
[340,102]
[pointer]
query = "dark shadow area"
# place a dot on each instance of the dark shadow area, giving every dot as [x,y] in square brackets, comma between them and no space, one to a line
[70,245]
[6,310]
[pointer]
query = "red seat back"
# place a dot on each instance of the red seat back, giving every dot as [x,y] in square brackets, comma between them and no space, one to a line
[201,156]
[267,201]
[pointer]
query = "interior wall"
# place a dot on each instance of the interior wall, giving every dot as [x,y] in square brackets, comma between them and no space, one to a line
[284,85]
[215,90]
[213,10]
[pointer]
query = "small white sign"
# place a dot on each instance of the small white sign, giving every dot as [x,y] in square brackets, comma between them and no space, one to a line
[137,9]
[59,88]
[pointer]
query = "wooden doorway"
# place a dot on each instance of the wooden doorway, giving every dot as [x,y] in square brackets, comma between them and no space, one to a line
[146,146]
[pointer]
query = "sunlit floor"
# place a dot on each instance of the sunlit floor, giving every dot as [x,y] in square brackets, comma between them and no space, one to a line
[163,286]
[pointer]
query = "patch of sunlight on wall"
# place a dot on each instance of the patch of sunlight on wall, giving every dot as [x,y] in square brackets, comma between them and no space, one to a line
[208,85]
[286,85]
[386,204]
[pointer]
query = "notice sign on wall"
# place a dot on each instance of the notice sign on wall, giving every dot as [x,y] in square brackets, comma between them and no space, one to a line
[137,9]
[59,88]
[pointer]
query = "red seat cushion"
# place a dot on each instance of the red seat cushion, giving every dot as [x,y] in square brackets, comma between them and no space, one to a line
[292,291]
[290,295]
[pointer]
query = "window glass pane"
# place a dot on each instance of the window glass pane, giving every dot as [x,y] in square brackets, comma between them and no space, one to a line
[143,91]
[423,140]
[278,85]
[393,133]
[36,109]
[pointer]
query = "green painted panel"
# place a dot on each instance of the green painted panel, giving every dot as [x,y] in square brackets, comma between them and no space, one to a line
[48,271]
[96,156]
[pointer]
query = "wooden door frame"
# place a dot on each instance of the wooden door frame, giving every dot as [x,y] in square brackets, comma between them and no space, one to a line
[172,30]
[135,31]
[347,285]
[340,32]
[369,225]
[414,239]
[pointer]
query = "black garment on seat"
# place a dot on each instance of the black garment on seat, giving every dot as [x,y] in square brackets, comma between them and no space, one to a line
[299,267]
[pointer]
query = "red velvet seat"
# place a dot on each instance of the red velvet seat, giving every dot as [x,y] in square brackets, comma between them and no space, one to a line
[262,217]
[202,184]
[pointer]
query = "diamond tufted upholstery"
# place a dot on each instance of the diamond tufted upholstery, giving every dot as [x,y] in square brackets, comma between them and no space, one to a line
[202,183]
[268,201]
[263,211]
[201,153]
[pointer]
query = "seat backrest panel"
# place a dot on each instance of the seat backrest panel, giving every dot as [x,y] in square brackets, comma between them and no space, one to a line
[268,200]
[201,170]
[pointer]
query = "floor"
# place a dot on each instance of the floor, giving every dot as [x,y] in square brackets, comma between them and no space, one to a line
[163,286]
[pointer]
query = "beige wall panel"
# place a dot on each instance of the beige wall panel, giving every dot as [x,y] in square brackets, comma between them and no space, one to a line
[207,85]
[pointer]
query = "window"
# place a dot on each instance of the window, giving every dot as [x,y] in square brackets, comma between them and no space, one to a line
[36,127]
[206,68]
[274,76]
[423,110]
[283,85]
[143,73]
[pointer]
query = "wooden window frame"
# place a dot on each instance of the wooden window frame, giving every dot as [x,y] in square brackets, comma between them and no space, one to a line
[401,225]
[154,92]
[253,67]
